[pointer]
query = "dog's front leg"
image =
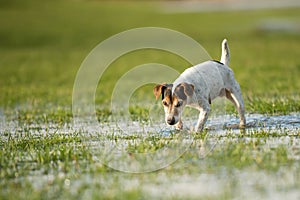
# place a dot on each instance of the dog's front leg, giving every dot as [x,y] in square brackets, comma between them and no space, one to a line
[203,115]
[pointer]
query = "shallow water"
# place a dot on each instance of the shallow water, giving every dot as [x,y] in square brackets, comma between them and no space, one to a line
[114,139]
[177,181]
[220,125]
[288,123]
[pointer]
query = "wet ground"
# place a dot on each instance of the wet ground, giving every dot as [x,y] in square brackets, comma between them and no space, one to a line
[289,124]
[187,174]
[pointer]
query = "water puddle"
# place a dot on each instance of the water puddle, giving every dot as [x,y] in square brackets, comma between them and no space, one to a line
[281,130]
[215,125]
[122,137]
[287,123]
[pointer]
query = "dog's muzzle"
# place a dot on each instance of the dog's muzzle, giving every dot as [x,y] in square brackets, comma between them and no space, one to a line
[171,121]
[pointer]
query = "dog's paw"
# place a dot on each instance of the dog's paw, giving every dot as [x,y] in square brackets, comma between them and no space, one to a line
[179,126]
[242,125]
[197,129]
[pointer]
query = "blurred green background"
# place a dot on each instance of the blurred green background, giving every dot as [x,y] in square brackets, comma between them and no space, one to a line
[43,43]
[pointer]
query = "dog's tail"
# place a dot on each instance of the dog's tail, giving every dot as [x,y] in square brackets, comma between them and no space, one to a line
[225,58]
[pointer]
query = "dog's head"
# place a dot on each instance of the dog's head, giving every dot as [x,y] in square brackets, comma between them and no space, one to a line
[173,102]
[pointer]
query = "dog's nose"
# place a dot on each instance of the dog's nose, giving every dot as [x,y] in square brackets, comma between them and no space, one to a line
[171,121]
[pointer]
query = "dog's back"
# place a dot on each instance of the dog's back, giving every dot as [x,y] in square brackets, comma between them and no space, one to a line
[209,77]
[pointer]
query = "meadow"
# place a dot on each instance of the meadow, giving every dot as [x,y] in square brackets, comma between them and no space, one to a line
[42,45]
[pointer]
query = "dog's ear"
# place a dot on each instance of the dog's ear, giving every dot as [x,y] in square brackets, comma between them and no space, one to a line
[158,89]
[188,89]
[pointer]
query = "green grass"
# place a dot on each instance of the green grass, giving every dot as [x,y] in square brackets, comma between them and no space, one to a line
[42,156]
[34,167]
[41,55]
[23,155]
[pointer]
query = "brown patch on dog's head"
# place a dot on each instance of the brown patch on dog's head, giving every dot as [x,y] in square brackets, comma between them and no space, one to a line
[163,89]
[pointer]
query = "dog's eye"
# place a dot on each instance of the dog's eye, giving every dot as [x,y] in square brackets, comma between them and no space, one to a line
[165,103]
[178,104]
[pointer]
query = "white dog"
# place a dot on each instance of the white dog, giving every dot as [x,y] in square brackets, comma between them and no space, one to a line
[197,87]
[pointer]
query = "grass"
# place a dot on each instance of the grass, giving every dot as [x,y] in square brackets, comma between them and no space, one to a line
[30,153]
[42,154]
[35,167]
[54,45]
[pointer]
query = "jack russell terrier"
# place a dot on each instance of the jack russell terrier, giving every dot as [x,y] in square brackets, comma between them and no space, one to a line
[197,86]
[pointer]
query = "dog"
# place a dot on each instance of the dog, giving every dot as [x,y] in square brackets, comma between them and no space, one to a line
[197,86]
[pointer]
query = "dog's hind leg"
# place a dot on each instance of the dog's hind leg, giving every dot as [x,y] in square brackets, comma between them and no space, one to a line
[236,98]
